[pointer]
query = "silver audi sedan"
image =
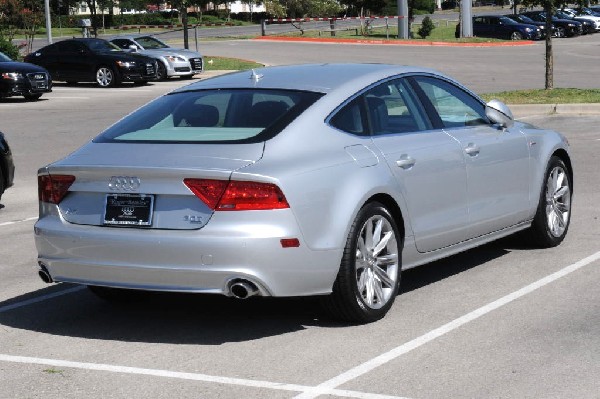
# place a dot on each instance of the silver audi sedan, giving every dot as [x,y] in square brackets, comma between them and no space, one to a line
[324,180]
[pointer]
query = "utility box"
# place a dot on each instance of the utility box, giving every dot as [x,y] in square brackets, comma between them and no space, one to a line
[85,25]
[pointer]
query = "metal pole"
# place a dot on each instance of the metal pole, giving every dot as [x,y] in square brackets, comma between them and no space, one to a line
[402,19]
[387,29]
[263,27]
[48,21]
[466,27]
[196,36]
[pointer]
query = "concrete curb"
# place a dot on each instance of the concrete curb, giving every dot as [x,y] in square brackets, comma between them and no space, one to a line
[394,43]
[520,110]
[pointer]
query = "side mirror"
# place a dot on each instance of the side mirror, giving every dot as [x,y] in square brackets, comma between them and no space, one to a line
[499,113]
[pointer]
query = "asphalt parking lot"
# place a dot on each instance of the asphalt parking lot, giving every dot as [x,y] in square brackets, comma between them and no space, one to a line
[503,320]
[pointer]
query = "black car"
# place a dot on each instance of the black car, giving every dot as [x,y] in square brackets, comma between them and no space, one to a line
[93,60]
[526,20]
[7,167]
[22,79]
[501,27]
[564,27]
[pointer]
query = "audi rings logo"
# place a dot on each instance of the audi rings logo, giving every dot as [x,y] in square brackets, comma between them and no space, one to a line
[124,183]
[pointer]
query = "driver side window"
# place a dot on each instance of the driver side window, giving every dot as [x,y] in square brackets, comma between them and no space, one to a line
[455,107]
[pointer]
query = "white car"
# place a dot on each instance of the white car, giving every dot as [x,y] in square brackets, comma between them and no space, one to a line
[172,61]
[583,16]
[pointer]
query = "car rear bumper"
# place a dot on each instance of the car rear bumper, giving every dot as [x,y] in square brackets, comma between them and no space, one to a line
[204,261]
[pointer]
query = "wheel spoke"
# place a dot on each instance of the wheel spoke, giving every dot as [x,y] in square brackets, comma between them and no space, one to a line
[561,192]
[383,243]
[362,281]
[387,260]
[383,277]
[379,295]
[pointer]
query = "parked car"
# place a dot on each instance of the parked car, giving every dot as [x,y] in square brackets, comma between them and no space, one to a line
[594,9]
[591,24]
[299,180]
[564,27]
[501,27]
[526,20]
[504,28]
[7,167]
[93,60]
[23,79]
[172,61]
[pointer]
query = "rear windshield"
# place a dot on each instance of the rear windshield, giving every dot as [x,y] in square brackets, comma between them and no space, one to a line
[211,116]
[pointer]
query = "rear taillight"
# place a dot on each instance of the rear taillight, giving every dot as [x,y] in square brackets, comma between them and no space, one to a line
[222,195]
[53,188]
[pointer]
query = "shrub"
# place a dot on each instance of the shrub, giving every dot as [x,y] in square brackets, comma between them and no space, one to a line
[9,49]
[426,28]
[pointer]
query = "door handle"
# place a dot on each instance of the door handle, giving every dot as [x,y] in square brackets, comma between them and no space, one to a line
[406,162]
[472,149]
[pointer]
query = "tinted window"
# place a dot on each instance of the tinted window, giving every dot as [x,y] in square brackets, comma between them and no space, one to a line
[4,58]
[454,106]
[211,116]
[149,43]
[351,118]
[70,46]
[391,109]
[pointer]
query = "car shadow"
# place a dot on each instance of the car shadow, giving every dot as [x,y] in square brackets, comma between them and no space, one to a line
[202,319]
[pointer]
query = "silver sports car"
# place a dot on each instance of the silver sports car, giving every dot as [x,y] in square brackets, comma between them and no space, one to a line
[299,180]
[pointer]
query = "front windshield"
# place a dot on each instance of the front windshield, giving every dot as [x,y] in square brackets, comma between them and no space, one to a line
[4,58]
[507,21]
[211,116]
[102,45]
[525,19]
[150,43]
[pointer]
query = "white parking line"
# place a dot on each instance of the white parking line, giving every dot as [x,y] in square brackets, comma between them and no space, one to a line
[18,221]
[189,376]
[384,358]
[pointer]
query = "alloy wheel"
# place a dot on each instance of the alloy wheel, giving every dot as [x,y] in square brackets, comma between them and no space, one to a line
[558,201]
[104,77]
[376,262]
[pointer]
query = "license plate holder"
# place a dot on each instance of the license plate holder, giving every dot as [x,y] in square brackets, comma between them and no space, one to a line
[129,209]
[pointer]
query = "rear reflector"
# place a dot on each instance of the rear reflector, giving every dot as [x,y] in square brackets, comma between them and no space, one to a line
[290,243]
[222,195]
[53,188]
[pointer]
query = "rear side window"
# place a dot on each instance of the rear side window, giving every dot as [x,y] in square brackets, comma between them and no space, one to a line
[211,116]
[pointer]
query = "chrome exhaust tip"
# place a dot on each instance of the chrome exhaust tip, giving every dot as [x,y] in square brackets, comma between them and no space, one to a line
[243,289]
[44,274]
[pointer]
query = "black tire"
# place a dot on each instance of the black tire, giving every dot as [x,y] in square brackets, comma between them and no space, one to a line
[553,216]
[361,278]
[106,77]
[115,295]
[161,71]
[516,36]
[32,97]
